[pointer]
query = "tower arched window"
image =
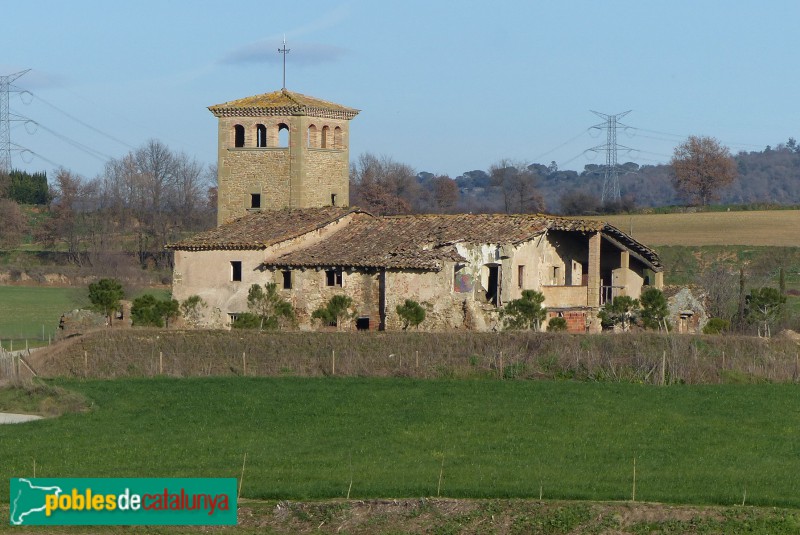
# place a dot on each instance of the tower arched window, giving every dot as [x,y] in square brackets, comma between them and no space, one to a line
[283,135]
[238,135]
[261,136]
[313,137]
[337,138]
[326,130]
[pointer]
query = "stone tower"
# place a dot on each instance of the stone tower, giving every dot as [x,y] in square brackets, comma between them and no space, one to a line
[281,150]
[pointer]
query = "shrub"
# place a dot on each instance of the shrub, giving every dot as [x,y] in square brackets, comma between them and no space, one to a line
[411,313]
[764,307]
[557,325]
[524,313]
[266,303]
[192,309]
[246,320]
[716,326]
[621,311]
[149,311]
[334,310]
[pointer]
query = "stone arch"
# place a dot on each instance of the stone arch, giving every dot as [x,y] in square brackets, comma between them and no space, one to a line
[338,142]
[238,135]
[326,131]
[283,135]
[312,139]
[261,136]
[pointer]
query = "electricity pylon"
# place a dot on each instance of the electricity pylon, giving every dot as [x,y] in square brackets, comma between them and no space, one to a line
[5,119]
[611,172]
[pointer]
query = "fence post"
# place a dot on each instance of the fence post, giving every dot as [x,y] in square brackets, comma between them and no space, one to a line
[160,363]
[244,363]
[333,362]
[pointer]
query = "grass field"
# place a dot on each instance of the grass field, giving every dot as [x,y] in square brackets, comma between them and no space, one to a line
[324,437]
[773,228]
[32,312]
[28,311]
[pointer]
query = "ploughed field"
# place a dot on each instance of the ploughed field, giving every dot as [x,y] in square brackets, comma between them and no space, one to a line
[325,437]
[777,228]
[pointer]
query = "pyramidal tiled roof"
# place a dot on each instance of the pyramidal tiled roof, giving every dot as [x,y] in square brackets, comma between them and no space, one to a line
[283,102]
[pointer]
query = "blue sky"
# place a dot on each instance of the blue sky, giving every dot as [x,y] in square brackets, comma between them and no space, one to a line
[445,87]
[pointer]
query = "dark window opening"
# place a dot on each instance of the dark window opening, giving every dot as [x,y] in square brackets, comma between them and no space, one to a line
[287,280]
[255,200]
[333,277]
[333,199]
[238,135]
[362,324]
[493,287]
[520,276]
[236,270]
[261,136]
[324,141]
[337,138]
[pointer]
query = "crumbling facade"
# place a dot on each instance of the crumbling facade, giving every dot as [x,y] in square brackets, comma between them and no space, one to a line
[284,219]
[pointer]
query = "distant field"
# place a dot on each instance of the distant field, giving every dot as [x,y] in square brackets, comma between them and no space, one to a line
[316,438]
[772,228]
[28,311]
[32,312]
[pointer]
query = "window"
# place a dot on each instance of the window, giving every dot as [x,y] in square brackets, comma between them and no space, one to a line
[556,274]
[287,279]
[520,276]
[283,135]
[337,138]
[325,131]
[333,199]
[261,136]
[236,270]
[255,200]
[333,277]
[313,137]
[362,323]
[238,135]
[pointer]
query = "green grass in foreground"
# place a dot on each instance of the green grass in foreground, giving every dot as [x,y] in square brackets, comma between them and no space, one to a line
[310,438]
[24,310]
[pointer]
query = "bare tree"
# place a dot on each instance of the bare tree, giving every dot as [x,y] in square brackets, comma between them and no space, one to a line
[13,224]
[701,166]
[517,185]
[383,186]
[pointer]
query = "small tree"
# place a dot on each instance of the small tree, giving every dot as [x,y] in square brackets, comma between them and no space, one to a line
[654,309]
[764,307]
[411,312]
[334,310]
[105,296]
[557,325]
[524,313]
[621,311]
[192,309]
[266,303]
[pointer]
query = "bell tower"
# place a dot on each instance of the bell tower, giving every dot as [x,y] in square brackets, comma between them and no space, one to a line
[281,150]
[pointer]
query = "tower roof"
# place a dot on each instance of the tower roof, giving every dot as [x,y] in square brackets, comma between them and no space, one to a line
[283,102]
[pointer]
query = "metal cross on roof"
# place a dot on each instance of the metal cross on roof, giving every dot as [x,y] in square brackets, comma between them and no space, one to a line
[284,51]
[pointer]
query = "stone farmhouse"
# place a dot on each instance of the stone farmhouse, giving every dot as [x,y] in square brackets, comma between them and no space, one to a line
[284,218]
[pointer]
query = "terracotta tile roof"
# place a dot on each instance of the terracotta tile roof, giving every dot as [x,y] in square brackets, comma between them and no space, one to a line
[261,229]
[410,241]
[283,102]
[422,241]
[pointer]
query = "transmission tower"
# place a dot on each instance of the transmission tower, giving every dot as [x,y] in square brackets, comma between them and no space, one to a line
[611,171]
[5,119]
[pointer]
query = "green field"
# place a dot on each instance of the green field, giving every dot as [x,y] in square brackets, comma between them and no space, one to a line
[32,312]
[316,438]
[28,311]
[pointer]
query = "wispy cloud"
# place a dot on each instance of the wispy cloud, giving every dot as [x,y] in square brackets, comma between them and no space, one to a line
[266,51]
[34,79]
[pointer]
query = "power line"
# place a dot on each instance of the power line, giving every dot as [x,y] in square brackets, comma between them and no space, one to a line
[90,127]
[536,159]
